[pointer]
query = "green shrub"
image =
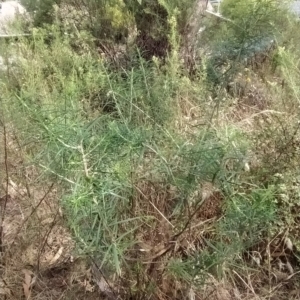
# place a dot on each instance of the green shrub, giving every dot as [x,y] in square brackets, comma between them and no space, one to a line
[42,10]
[248,35]
[152,23]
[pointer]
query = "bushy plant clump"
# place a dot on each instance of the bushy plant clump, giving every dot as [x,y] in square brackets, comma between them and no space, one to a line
[157,165]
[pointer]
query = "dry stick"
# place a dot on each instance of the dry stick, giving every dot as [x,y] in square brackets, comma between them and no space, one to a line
[104,277]
[34,209]
[161,214]
[200,203]
[249,286]
[45,240]
[3,208]
[84,160]
[279,285]
[165,250]
[22,157]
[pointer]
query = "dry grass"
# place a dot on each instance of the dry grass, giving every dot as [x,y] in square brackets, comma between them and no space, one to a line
[165,236]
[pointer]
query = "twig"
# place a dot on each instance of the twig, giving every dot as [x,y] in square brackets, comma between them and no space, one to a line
[58,175]
[250,287]
[218,15]
[104,277]
[14,35]
[282,283]
[162,215]
[85,164]
[22,157]
[45,240]
[39,203]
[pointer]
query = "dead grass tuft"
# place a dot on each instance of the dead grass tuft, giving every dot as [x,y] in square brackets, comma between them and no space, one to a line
[165,235]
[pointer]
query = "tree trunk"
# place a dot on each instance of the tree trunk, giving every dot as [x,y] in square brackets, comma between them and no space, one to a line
[192,32]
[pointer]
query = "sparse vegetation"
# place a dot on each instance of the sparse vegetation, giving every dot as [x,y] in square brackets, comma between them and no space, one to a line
[130,175]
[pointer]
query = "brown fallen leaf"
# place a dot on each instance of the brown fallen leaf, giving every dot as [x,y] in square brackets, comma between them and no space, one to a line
[27,283]
[57,256]
[47,221]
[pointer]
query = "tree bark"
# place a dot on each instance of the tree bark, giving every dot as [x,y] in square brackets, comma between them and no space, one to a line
[191,35]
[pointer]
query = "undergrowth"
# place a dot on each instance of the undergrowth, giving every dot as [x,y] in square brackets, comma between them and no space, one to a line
[164,185]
